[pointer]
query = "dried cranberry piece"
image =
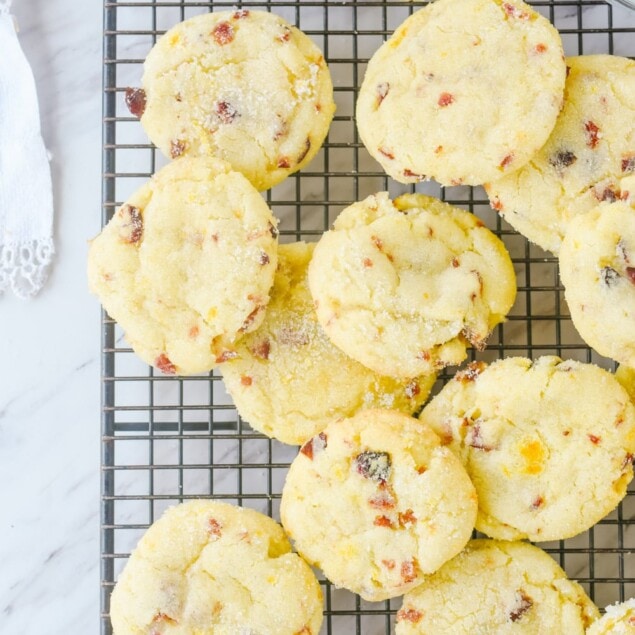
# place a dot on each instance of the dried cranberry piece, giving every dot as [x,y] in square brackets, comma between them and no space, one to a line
[223,33]
[476,441]
[524,604]
[507,159]
[609,276]
[314,445]
[628,163]
[305,151]
[283,162]
[264,258]
[214,528]
[540,47]
[262,349]
[382,521]
[367,262]
[163,363]
[249,320]
[387,153]
[608,193]
[445,99]
[413,175]
[246,380]
[473,370]
[177,148]
[374,465]
[630,274]
[240,14]
[136,101]
[226,356]
[383,500]
[537,503]
[407,518]
[412,389]
[628,460]
[515,12]
[381,91]
[592,134]
[131,226]
[409,571]
[285,35]
[409,615]
[562,159]
[225,111]
[595,440]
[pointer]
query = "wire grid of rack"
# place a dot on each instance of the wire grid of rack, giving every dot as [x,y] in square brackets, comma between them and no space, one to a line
[166,440]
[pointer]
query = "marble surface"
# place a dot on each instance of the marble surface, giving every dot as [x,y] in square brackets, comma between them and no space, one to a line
[49,376]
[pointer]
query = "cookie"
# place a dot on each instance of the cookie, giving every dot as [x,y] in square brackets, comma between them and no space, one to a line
[626,377]
[186,264]
[619,619]
[465,91]
[377,503]
[403,287]
[597,268]
[211,568]
[497,587]
[589,157]
[549,445]
[289,381]
[243,86]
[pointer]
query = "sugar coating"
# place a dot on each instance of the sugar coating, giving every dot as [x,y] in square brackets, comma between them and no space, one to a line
[597,267]
[207,567]
[464,91]
[243,86]
[626,377]
[186,264]
[403,287]
[289,381]
[497,587]
[589,157]
[619,619]
[549,445]
[376,503]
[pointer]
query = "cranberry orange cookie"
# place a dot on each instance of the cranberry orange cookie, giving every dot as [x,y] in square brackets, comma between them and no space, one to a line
[403,287]
[497,587]
[548,445]
[186,264]
[214,569]
[376,503]
[243,86]
[289,381]
[464,91]
[597,266]
[589,157]
[619,619]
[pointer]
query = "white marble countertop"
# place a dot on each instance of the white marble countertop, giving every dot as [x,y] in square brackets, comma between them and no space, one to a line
[49,375]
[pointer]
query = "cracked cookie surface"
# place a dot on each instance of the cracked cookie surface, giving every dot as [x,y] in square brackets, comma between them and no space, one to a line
[289,381]
[464,92]
[243,86]
[211,568]
[597,268]
[403,287]
[497,587]
[186,264]
[549,445]
[376,503]
[589,157]
[619,619]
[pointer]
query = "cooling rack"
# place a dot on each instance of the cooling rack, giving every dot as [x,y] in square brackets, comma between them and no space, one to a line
[166,440]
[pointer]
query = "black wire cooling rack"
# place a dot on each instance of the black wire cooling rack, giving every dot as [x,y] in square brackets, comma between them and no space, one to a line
[166,440]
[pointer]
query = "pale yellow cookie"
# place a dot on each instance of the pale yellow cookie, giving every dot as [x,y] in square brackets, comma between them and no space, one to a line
[597,267]
[209,568]
[243,86]
[186,264]
[549,445]
[619,619]
[589,157]
[376,503]
[403,287]
[288,381]
[464,91]
[497,588]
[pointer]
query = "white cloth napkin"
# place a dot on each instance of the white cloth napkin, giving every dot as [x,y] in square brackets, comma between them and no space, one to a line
[26,200]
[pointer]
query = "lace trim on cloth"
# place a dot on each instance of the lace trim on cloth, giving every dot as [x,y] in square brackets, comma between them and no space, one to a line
[24,266]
